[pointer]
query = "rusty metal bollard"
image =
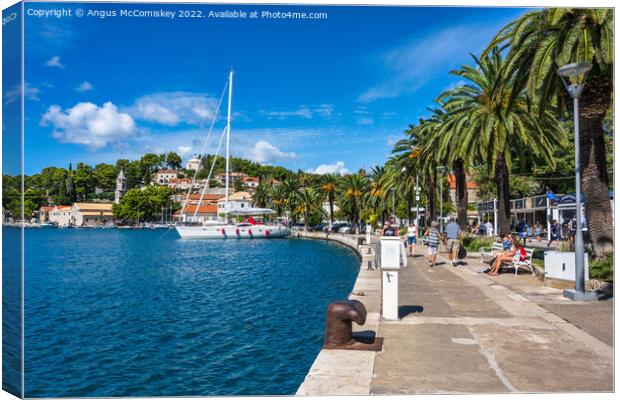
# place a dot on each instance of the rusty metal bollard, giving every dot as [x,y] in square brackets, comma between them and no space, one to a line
[339,328]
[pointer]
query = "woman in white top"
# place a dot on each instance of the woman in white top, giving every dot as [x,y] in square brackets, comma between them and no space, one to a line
[412,238]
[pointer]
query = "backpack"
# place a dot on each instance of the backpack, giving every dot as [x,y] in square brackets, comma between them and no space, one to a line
[462,252]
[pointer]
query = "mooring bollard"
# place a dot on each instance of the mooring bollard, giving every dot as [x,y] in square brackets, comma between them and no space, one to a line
[390,265]
[339,327]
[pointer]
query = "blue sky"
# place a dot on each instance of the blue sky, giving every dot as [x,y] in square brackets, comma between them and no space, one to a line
[317,95]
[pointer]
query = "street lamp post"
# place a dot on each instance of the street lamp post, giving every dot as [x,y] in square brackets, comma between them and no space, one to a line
[417,199]
[573,77]
[441,169]
[417,202]
[393,204]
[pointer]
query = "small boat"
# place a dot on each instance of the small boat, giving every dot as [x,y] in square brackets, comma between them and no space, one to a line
[47,225]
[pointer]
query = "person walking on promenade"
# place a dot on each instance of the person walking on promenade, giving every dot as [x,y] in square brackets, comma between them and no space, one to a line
[412,238]
[453,234]
[489,228]
[555,232]
[388,229]
[433,243]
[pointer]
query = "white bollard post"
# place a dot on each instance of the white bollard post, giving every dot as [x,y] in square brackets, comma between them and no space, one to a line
[368,229]
[390,265]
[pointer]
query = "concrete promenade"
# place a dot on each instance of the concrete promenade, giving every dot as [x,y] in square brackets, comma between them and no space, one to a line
[464,332]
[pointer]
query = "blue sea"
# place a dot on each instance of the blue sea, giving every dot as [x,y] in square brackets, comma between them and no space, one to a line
[144,313]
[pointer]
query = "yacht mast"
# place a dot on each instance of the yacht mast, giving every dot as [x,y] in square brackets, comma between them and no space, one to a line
[230,87]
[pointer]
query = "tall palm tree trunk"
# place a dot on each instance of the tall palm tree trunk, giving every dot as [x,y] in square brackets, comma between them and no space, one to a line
[306,221]
[594,181]
[331,209]
[431,206]
[409,207]
[594,178]
[460,193]
[503,199]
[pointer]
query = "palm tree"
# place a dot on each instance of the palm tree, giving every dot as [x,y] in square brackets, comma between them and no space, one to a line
[279,199]
[261,195]
[542,41]
[412,154]
[290,186]
[486,120]
[446,154]
[378,192]
[308,202]
[352,189]
[328,184]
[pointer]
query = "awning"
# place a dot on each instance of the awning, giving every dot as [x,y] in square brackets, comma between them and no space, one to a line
[251,211]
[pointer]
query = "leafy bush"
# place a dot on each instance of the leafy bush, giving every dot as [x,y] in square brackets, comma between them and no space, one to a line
[473,243]
[602,268]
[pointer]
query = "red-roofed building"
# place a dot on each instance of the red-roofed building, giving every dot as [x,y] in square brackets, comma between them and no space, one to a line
[44,213]
[207,198]
[163,176]
[251,181]
[203,213]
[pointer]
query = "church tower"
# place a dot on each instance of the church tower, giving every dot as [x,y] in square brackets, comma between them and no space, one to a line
[121,187]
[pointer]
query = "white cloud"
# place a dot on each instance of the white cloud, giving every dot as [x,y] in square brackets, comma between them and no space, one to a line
[264,152]
[54,62]
[415,63]
[89,125]
[84,87]
[183,150]
[335,168]
[306,112]
[30,93]
[173,108]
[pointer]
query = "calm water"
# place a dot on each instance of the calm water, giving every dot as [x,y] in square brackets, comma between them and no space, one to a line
[132,313]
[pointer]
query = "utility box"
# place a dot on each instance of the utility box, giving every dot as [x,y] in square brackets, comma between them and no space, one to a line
[561,265]
[390,266]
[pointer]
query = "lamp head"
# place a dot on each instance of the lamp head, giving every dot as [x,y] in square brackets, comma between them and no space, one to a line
[574,76]
[574,70]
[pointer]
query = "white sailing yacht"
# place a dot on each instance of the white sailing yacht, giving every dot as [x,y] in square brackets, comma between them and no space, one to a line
[250,229]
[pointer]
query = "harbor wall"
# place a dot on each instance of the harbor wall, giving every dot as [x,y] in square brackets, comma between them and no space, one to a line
[348,372]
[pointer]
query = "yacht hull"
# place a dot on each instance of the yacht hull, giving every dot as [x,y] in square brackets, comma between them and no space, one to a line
[232,232]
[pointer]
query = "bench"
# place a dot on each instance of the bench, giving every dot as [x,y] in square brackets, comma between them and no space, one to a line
[527,263]
[488,251]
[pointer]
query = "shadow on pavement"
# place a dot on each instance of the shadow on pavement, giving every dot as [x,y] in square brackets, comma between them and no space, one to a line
[403,311]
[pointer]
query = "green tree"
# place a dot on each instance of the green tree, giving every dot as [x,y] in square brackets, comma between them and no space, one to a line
[143,205]
[352,189]
[82,178]
[104,176]
[149,163]
[308,202]
[278,199]
[11,196]
[328,184]
[261,195]
[33,200]
[487,120]
[173,160]
[542,41]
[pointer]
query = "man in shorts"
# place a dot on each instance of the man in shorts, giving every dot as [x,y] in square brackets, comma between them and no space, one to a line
[453,234]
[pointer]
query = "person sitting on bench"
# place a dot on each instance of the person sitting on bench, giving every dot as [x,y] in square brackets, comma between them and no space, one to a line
[506,257]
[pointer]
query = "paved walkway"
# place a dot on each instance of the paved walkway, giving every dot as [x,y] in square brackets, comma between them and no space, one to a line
[463,332]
